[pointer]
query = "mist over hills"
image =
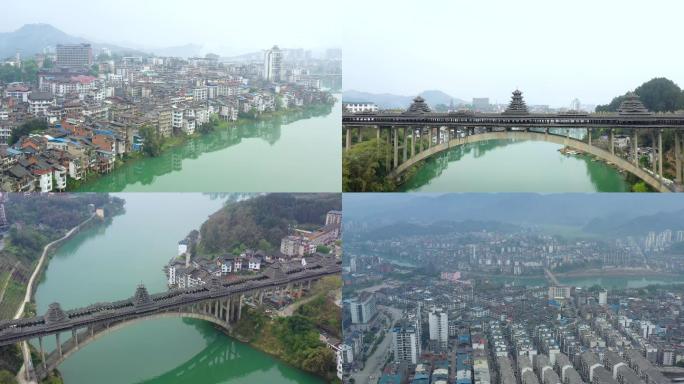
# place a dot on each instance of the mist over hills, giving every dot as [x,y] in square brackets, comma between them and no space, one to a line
[614,213]
[33,38]
[390,101]
[402,229]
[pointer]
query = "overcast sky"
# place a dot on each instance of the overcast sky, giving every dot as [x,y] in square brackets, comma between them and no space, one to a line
[227,27]
[553,50]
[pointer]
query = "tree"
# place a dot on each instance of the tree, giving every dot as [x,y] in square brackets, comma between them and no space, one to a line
[364,167]
[152,141]
[7,378]
[33,125]
[658,95]
[322,249]
[48,63]
[94,70]
[640,187]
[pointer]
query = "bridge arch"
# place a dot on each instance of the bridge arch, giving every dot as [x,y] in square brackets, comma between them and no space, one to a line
[653,181]
[54,359]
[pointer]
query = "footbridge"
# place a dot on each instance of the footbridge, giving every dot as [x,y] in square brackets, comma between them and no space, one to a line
[219,302]
[418,133]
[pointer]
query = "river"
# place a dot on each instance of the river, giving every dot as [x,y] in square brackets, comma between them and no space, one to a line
[514,166]
[297,152]
[105,263]
[608,282]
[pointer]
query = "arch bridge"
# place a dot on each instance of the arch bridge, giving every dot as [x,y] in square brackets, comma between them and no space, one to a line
[217,302]
[407,131]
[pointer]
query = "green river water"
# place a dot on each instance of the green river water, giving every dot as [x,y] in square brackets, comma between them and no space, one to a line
[106,262]
[295,152]
[514,166]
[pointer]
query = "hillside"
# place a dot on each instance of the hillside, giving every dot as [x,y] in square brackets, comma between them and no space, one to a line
[518,208]
[34,38]
[261,222]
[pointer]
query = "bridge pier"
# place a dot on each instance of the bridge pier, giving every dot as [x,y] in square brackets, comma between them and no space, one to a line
[612,142]
[413,141]
[395,159]
[636,147]
[347,139]
[678,157]
[229,310]
[654,158]
[42,352]
[660,154]
[388,155]
[589,135]
[59,344]
[74,335]
[405,147]
[420,140]
[359,138]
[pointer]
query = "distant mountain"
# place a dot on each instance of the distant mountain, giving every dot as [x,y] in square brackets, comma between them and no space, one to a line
[390,101]
[638,225]
[33,38]
[402,229]
[187,50]
[595,213]
[251,56]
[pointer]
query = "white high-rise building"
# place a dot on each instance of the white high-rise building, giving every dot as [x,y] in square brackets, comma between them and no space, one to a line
[603,297]
[273,60]
[405,344]
[439,328]
[363,308]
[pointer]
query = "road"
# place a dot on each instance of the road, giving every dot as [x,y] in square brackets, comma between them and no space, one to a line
[21,376]
[374,363]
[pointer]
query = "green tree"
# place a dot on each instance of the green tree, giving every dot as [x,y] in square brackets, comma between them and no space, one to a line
[364,167]
[322,249]
[30,126]
[48,63]
[94,70]
[152,141]
[640,187]
[264,245]
[7,378]
[658,95]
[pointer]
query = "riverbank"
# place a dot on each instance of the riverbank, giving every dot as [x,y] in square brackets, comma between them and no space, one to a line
[30,289]
[118,257]
[616,272]
[158,147]
[295,339]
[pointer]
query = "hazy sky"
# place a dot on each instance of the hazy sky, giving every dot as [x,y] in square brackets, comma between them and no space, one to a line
[553,50]
[232,27]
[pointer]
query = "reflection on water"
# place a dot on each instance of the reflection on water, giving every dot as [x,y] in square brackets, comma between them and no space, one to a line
[225,360]
[258,138]
[106,262]
[513,166]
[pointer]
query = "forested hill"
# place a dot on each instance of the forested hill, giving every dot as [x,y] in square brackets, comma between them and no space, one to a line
[261,222]
[658,95]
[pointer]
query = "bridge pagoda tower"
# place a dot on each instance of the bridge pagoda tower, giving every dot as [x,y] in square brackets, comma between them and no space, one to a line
[517,105]
[141,298]
[632,106]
